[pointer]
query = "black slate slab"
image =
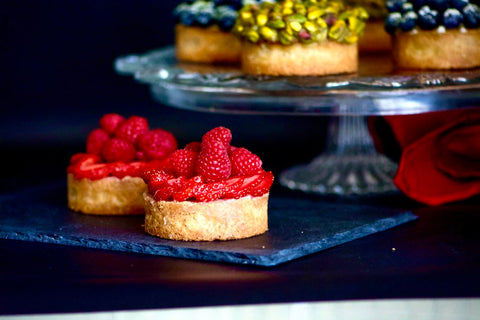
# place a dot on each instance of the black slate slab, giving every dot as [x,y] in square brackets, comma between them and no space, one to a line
[296,228]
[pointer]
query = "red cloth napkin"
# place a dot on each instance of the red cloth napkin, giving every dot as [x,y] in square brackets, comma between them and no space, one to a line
[439,154]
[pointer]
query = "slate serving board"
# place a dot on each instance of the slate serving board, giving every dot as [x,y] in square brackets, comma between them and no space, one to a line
[296,228]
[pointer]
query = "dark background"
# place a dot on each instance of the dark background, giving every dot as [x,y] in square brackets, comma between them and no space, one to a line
[58,80]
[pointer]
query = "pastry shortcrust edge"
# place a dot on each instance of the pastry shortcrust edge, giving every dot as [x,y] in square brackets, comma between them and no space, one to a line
[206,45]
[450,49]
[375,38]
[106,196]
[223,219]
[315,59]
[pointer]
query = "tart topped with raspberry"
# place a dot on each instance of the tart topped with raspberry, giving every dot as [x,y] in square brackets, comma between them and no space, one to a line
[211,190]
[106,179]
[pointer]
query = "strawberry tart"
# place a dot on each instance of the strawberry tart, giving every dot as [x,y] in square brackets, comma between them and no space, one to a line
[210,191]
[106,179]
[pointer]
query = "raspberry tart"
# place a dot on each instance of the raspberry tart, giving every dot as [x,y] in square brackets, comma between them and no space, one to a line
[434,34]
[300,37]
[212,191]
[106,179]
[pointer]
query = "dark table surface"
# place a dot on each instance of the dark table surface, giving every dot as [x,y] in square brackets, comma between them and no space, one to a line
[58,79]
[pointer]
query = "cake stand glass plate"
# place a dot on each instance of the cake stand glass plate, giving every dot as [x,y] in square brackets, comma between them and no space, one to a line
[350,165]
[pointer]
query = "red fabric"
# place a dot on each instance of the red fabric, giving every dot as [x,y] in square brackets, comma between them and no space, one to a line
[440,155]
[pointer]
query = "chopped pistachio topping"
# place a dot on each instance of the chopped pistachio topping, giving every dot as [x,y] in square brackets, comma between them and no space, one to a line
[304,21]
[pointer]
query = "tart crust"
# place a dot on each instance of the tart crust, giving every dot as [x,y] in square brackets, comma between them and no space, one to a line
[298,59]
[451,49]
[207,221]
[107,196]
[206,45]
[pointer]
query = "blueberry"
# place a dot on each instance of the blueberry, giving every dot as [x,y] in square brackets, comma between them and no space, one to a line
[187,18]
[459,4]
[204,18]
[438,5]
[452,18]
[392,22]
[406,7]
[408,21]
[395,5]
[219,2]
[427,18]
[226,22]
[471,16]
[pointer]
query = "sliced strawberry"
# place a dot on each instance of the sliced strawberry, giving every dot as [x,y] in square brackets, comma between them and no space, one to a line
[188,189]
[264,185]
[248,184]
[110,121]
[231,187]
[244,162]
[209,191]
[213,162]
[132,169]
[221,134]
[84,158]
[156,179]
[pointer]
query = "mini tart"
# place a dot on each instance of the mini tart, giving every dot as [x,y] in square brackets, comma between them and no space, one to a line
[314,59]
[437,49]
[375,38]
[206,45]
[106,196]
[223,219]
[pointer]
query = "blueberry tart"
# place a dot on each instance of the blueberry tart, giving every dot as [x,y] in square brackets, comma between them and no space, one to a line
[434,34]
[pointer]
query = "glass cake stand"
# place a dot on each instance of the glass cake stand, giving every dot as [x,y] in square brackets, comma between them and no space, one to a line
[350,164]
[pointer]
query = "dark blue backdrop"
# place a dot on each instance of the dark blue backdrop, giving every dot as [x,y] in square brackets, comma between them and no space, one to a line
[58,79]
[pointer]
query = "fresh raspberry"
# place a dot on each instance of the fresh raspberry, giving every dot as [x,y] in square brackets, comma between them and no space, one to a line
[244,162]
[95,141]
[183,162]
[157,144]
[213,162]
[209,191]
[219,133]
[118,150]
[131,129]
[155,176]
[194,146]
[110,121]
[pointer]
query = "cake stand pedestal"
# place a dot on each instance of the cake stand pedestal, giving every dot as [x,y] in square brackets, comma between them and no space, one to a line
[350,164]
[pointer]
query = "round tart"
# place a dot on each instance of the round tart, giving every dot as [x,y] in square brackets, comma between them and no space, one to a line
[294,37]
[214,191]
[441,35]
[106,180]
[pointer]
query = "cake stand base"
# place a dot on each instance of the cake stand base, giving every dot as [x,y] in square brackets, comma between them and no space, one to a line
[350,164]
